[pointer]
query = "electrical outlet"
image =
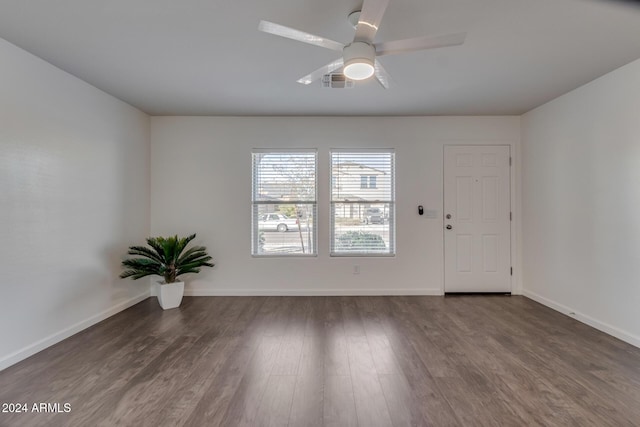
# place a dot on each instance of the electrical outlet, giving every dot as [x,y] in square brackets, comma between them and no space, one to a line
[356,269]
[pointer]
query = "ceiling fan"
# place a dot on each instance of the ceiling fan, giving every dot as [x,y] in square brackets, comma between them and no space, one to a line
[359,57]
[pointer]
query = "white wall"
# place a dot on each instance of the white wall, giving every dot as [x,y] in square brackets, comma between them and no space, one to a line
[201,174]
[74,193]
[581,203]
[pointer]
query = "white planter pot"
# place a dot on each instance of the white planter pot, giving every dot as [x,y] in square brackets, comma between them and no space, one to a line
[170,294]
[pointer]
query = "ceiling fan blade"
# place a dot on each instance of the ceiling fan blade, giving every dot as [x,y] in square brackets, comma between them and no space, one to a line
[370,18]
[301,36]
[419,43]
[382,76]
[325,69]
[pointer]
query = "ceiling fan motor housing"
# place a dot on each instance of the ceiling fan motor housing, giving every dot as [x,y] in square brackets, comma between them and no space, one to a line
[359,53]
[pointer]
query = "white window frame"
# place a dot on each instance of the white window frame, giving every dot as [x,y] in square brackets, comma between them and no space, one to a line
[255,233]
[391,203]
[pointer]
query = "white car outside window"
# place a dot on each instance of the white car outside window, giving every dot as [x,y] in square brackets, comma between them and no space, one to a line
[277,222]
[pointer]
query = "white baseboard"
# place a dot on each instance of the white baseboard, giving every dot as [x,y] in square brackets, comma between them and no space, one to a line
[601,326]
[52,339]
[308,292]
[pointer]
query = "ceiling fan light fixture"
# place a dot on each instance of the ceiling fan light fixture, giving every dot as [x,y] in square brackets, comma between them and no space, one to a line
[359,60]
[358,70]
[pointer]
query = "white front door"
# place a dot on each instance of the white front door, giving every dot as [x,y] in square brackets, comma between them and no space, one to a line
[477,228]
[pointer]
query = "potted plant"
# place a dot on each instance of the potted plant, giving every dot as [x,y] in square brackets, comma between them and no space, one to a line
[166,257]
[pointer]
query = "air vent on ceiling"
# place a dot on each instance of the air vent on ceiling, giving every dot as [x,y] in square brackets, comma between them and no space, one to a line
[336,81]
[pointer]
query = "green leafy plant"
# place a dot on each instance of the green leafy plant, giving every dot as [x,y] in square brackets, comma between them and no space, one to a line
[359,241]
[166,257]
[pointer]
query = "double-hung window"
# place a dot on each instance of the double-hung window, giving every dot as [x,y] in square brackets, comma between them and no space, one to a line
[362,202]
[284,203]
[368,181]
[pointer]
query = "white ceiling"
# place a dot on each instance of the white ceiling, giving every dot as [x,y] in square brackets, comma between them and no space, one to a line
[206,57]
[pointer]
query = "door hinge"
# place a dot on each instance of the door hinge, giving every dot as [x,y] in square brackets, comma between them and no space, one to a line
[509,161]
[512,271]
[510,216]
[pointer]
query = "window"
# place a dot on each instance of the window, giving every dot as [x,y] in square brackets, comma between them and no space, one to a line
[363,204]
[367,181]
[283,203]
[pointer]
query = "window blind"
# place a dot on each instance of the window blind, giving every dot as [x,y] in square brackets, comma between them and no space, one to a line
[362,202]
[283,202]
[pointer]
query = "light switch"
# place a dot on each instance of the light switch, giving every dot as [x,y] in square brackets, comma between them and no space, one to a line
[431,213]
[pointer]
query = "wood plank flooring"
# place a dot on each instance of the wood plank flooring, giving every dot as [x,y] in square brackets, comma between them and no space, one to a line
[332,361]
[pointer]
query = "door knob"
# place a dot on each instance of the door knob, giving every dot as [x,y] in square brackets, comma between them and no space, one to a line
[449,227]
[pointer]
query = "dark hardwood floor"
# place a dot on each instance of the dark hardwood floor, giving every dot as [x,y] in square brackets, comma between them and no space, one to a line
[332,361]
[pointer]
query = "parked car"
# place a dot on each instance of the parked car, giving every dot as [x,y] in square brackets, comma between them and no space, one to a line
[277,222]
[373,216]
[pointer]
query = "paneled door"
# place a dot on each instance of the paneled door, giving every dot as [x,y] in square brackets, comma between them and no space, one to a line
[477,218]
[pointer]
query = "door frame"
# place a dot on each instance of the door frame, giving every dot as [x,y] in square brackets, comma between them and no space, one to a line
[513,198]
